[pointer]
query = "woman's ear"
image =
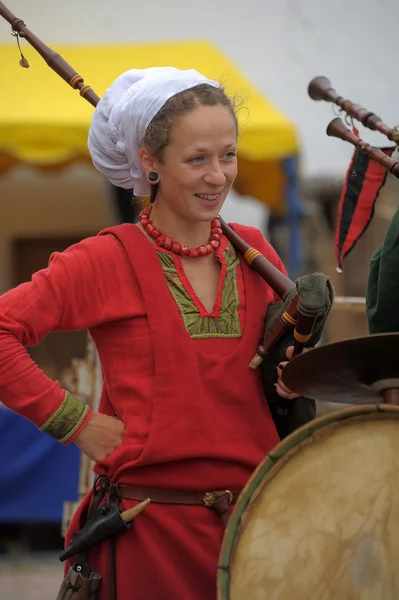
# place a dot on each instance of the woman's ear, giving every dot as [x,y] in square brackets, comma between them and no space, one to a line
[147,160]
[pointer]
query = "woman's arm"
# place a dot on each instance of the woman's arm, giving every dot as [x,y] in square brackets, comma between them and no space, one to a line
[71,294]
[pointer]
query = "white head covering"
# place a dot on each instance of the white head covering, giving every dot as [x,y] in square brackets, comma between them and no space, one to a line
[123,115]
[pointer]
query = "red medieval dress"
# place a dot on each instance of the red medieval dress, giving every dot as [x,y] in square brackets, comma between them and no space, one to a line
[195,414]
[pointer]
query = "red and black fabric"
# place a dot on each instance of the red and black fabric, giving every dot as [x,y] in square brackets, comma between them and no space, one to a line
[363,182]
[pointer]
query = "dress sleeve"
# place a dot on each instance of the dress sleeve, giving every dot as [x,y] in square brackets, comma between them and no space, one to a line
[70,294]
[382,292]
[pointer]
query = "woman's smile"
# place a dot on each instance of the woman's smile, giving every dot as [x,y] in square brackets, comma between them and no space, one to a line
[208,199]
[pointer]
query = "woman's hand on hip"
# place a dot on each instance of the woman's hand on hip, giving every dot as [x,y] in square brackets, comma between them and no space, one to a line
[100,436]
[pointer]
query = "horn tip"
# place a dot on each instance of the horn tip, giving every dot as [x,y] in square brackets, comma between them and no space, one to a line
[129,514]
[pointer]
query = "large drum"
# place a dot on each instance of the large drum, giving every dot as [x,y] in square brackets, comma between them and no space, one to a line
[319,519]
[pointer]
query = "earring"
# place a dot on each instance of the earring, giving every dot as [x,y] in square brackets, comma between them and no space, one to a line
[153,177]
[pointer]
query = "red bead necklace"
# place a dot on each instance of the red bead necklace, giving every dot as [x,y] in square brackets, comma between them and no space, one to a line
[166,242]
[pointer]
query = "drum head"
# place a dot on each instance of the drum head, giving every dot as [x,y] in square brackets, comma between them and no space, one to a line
[320,516]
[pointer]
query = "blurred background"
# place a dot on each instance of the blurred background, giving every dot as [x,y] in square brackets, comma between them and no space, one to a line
[290,179]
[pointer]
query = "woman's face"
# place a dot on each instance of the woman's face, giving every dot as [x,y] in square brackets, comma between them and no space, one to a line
[199,163]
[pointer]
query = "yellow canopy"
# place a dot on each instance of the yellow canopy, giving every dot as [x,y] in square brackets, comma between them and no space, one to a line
[45,123]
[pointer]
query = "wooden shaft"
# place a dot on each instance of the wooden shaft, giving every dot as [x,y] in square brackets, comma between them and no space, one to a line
[338,129]
[280,283]
[302,332]
[53,59]
[320,88]
[8,16]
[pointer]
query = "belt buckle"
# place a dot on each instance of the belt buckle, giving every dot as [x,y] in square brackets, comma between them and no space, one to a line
[211,498]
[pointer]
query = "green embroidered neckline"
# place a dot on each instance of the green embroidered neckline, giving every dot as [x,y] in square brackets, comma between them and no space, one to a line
[227,324]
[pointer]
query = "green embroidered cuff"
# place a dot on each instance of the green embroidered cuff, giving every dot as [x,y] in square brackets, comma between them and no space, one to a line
[66,419]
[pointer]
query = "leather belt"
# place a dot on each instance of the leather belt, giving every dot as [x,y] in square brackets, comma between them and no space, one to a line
[218,500]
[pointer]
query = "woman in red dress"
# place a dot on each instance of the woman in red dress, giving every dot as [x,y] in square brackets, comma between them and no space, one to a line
[175,314]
